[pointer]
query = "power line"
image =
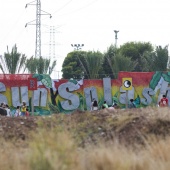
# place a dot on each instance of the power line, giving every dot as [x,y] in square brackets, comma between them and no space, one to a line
[73,10]
[62,7]
[11,28]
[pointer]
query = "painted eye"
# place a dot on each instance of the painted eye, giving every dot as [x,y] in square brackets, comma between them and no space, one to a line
[127,83]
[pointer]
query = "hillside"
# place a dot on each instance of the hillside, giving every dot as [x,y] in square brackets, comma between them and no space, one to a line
[132,139]
[132,126]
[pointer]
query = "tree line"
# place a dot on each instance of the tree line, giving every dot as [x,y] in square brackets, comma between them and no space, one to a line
[131,56]
[17,63]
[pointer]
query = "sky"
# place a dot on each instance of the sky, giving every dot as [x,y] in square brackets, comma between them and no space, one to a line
[88,22]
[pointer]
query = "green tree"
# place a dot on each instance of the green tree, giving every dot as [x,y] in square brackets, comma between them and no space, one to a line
[31,65]
[39,65]
[156,60]
[106,65]
[118,63]
[146,61]
[12,62]
[80,64]
[135,50]
[93,64]
[73,65]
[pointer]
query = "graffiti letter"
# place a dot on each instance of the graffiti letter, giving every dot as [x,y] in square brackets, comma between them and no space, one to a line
[107,90]
[122,98]
[147,93]
[16,95]
[168,95]
[90,93]
[74,99]
[24,94]
[163,85]
[40,97]
[2,97]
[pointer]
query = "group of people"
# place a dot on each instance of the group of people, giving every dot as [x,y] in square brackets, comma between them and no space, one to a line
[94,106]
[111,108]
[20,110]
[162,103]
[131,104]
[23,110]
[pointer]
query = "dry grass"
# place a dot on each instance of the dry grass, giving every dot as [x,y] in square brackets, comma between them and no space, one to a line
[57,142]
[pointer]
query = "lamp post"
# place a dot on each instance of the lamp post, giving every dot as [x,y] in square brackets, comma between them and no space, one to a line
[77,46]
[116,32]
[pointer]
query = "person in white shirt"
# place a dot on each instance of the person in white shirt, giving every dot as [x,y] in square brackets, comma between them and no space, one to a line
[8,111]
[18,112]
[94,105]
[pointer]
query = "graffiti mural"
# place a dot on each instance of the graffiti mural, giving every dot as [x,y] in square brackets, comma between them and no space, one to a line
[56,96]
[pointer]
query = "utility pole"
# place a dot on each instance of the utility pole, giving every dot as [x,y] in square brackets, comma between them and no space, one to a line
[116,32]
[37,21]
[52,47]
[52,43]
[77,46]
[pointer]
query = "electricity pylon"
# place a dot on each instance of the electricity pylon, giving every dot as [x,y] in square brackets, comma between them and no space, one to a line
[52,48]
[37,21]
[52,43]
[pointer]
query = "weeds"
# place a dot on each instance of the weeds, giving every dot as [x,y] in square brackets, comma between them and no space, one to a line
[93,141]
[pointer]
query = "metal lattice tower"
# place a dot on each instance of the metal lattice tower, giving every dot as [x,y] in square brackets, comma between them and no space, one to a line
[52,43]
[38,25]
[38,30]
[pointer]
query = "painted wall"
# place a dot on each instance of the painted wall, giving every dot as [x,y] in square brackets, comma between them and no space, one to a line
[54,96]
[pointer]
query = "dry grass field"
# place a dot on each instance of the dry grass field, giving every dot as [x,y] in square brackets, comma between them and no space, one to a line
[132,139]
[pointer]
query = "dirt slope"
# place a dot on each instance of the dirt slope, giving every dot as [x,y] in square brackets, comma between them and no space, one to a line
[126,126]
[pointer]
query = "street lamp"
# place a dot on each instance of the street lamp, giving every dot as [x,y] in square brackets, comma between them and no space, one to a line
[116,32]
[77,46]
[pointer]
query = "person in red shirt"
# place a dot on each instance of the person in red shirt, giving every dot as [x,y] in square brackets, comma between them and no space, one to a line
[163,102]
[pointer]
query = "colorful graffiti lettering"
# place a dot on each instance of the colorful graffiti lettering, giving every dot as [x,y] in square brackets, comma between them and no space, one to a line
[55,96]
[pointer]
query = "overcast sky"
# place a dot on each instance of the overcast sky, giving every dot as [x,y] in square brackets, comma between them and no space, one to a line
[88,22]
